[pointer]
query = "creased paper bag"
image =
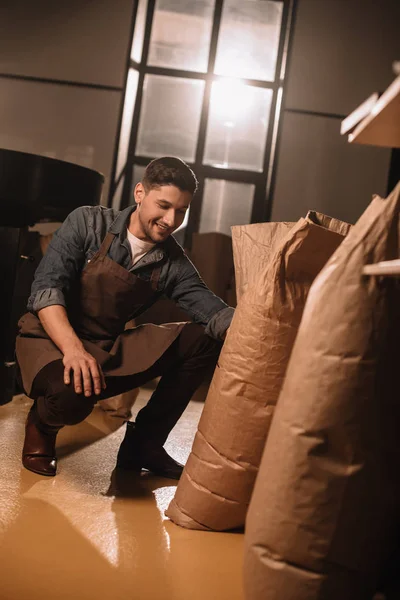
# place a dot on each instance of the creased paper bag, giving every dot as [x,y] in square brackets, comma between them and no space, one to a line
[325,515]
[275,266]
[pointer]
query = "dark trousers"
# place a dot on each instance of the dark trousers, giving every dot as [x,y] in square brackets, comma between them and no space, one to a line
[182,368]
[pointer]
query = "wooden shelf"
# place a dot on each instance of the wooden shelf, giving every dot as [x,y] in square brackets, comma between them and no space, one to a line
[388,267]
[382,126]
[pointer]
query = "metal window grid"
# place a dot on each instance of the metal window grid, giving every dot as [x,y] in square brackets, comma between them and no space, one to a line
[264,181]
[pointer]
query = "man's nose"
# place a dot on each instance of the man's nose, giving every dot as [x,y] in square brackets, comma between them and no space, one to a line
[169,218]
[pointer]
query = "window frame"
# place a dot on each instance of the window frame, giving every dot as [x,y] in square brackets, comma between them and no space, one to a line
[264,181]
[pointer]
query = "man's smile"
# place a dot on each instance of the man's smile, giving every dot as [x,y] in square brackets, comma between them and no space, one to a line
[164,228]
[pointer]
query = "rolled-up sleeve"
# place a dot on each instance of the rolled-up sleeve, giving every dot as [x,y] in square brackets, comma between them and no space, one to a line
[219,323]
[191,293]
[45,298]
[60,266]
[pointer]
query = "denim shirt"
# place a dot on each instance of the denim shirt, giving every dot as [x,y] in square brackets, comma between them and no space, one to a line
[79,238]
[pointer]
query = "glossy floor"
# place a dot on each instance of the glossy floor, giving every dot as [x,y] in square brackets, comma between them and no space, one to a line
[95,533]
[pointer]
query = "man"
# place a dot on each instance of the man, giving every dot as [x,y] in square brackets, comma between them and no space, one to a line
[102,269]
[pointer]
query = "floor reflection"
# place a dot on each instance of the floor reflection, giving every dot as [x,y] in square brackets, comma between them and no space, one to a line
[94,531]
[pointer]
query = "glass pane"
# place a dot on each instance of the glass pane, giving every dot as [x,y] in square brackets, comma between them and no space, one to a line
[225,203]
[248,39]
[138,34]
[237,126]
[181,33]
[126,124]
[116,201]
[170,117]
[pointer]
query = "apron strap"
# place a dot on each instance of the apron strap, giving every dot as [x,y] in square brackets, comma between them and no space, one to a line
[104,248]
[155,276]
[106,243]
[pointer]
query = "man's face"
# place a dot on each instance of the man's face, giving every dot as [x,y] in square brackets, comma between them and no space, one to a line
[159,212]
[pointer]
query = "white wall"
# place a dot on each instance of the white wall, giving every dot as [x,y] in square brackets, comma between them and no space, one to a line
[342,51]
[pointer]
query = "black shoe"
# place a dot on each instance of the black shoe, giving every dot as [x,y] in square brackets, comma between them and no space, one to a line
[136,454]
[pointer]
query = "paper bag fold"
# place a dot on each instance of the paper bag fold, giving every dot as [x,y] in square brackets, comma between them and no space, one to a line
[324,515]
[275,266]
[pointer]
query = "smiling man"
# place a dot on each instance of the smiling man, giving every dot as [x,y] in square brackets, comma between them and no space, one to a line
[102,269]
[160,211]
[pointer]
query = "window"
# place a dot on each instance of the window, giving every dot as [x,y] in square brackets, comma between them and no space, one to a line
[237,125]
[170,117]
[249,38]
[225,203]
[127,115]
[181,34]
[208,85]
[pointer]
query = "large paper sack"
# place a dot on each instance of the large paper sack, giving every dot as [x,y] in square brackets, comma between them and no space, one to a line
[325,510]
[274,272]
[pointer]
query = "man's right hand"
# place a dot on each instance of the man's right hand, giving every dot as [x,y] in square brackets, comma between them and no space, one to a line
[86,372]
[88,376]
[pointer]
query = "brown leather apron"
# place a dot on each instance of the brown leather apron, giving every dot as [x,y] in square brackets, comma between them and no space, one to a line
[107,298]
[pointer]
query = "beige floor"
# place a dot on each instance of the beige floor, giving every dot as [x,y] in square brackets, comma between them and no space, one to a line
[92,533]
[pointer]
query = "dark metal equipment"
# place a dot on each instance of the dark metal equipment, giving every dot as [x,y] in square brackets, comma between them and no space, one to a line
[33,189]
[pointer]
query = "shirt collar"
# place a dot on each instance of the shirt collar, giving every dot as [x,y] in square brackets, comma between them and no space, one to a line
[120,223]
[119,227]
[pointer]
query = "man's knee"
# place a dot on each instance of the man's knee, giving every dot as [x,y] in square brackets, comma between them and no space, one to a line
[57,403]
[64,408]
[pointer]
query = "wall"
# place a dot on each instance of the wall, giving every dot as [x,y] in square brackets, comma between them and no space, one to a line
[342,51]
[62,73]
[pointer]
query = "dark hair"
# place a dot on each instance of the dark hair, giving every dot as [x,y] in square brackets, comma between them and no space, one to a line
[169,170]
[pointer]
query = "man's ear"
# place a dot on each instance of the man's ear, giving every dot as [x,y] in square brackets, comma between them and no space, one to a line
[139,193]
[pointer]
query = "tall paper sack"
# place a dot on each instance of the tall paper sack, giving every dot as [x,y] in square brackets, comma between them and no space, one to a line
[275,266]
[325,510]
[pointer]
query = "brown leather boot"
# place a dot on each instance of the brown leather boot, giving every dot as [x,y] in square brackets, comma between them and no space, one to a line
[39,454]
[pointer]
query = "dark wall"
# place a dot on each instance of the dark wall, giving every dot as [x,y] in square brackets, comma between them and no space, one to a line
[342,51]
[43,45]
